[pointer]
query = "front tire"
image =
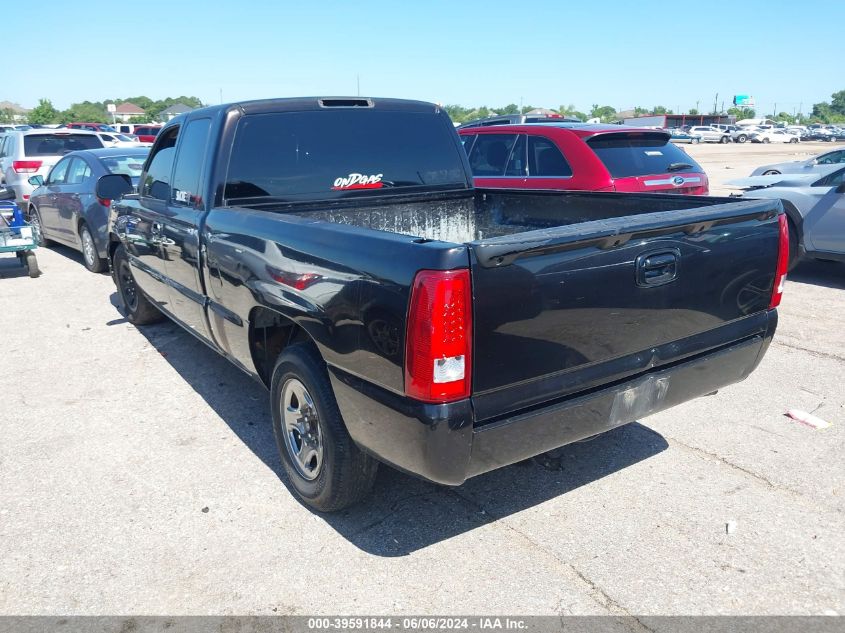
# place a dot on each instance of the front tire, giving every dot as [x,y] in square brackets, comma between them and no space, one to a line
[34,219]
[771,172]
[765,140]
[139,309]
[742,138]
[724,140]
[90,257]
[324,466]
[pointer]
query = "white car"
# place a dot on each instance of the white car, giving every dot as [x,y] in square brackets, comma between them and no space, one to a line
[710,134]
[111,139]
[774,136]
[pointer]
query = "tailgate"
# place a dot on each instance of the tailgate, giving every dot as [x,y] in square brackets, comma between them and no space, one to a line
[567,309]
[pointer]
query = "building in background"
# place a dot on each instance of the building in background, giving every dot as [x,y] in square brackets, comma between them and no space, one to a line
[125,111]
[678,120]
[175,110]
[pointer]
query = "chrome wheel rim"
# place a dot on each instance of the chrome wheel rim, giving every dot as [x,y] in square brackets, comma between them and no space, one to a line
[88,247]
[35,223]
[303,438]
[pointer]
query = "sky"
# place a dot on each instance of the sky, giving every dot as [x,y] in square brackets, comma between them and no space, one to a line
[539,53]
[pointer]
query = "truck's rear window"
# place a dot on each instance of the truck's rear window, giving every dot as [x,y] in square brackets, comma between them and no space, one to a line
[640,154]
[292,156]
[58,144]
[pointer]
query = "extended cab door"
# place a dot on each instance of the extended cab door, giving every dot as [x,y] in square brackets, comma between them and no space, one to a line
[180,227]
[146,216]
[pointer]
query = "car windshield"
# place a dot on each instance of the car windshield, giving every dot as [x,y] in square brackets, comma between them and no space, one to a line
[628,154]
[130,165]
[58,144]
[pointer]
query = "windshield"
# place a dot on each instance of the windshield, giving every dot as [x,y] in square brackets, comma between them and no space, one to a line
[335,153]
[58,144]
[630,154]
[130,165]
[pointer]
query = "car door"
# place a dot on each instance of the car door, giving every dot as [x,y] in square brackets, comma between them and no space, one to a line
[142,219]
[69,201]
[47,202]
[824,224]
[180,228]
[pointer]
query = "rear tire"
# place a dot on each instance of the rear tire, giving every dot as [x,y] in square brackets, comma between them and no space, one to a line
[724,140]
[742,138]
[324,466]
[765,140]
[90,257]
[139,309]
[793,140]
[771,172]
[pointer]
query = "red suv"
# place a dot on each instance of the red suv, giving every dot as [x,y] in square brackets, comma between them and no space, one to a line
[93,127]
[580,156]
[147,133]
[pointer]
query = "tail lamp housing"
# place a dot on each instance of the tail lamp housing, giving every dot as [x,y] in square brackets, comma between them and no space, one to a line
[783,261]
[438,341]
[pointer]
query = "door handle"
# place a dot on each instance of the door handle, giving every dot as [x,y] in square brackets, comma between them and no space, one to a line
[656,269]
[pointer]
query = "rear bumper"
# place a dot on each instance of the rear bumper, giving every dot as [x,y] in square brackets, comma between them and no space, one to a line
[442,443]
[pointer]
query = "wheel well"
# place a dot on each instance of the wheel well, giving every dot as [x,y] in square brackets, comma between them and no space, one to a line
[793,216]
[270,333]
[113,244]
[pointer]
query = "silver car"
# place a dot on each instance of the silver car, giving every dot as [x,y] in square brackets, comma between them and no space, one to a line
[833,157]
[815,205]
[710,134]
[28,153]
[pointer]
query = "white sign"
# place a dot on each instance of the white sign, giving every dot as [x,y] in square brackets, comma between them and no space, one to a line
[111,107]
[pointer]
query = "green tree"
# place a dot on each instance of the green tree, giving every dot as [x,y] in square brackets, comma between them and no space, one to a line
[7,115]
[511,108]
[837,104]
[693,111]
[145,118]
[605,113]
[742,113]
[87,111]
[43,113]
[638,111]
[527,108]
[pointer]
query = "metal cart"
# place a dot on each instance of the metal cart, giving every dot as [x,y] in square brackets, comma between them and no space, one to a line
[17,236]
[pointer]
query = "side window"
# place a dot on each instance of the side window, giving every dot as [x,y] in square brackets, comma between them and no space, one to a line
[156,182]
[546,160]
[78,172]
[59,172]
[490,153]
[189,163]
[107,137]
[831,180]
[467,142]
[828,159]
[3,146]
[516,163]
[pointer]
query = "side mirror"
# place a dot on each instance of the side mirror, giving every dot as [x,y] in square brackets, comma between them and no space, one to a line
[36,181]
[113,186]
[841,188]
[7,193]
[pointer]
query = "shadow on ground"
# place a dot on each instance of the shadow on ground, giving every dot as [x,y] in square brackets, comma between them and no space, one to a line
[403,514]
[819,273]
[10,266]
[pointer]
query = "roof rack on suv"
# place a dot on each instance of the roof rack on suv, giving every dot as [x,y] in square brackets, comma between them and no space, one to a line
[516,119]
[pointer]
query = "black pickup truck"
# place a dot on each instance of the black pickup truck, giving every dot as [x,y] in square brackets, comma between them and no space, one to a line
[336,250]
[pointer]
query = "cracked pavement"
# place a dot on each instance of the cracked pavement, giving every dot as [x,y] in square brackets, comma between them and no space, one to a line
[116,438]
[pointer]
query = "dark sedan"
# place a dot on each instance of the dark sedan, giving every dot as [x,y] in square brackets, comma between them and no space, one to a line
[64,208]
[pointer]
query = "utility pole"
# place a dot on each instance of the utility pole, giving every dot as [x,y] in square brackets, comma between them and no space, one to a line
[696,106]
[715,102]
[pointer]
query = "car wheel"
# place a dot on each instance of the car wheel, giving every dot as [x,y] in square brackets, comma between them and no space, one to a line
[696,141]
[93,261]
[771,172]
[724,140]
[793,140]
[139,309]
[765,140]
[32,264]
[324,466]
[34,219]
[741,138]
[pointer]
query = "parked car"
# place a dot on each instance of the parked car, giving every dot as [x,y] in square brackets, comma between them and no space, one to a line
[518,119]
[580,156]
[397,314]
[815,205]
[147,133]
[92,127]
[710,134]
[111,139]
[64,206]
[833,157]
[33,152]
[774,135]
[680,136]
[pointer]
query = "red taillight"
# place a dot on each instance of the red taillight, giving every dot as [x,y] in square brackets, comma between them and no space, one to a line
[438,342]
[299,281]
[26,166]
[105,202]
[783,261]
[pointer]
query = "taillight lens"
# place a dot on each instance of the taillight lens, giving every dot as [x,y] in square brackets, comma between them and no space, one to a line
[105,202]
[783,261]
[438,342]
[26,166]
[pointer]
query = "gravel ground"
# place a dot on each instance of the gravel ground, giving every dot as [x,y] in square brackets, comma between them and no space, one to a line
[140,476]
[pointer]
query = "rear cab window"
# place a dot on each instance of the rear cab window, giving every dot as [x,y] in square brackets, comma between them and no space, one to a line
[337,153]
[631,154]
[58,144]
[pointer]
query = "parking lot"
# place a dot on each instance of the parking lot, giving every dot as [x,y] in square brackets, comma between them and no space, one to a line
[140,476]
